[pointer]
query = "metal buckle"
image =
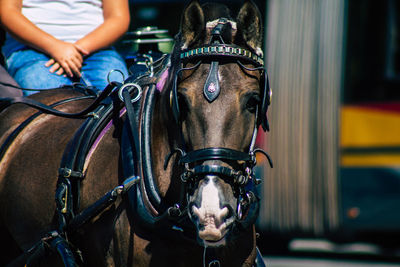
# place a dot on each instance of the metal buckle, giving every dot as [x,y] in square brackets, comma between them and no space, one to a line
[115,70]
[136,98]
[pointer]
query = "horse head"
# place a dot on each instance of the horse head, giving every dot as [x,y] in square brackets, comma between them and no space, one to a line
[218,100]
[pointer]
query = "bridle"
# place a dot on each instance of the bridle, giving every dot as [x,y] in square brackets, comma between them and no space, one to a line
[242,179]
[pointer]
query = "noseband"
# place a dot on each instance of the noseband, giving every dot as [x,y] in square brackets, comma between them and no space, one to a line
[242,179]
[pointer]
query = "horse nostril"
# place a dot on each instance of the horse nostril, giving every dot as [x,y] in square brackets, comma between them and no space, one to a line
[229,211]
[195,211]
[223,214]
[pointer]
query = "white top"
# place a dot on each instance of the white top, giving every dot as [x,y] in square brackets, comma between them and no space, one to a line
[67,20]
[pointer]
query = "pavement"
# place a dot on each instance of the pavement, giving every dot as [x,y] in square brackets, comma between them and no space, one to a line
[322,253]
[273,261]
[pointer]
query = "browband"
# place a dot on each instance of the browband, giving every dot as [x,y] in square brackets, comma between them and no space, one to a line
[223,50]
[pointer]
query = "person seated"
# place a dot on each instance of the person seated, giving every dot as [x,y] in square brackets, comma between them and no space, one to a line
[50,43]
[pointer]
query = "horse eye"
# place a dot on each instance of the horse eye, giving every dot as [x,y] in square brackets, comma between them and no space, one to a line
[252,103]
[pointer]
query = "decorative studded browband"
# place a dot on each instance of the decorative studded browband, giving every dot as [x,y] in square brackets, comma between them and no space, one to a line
[223,50]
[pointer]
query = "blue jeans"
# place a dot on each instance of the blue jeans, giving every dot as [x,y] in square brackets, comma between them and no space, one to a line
[28,69]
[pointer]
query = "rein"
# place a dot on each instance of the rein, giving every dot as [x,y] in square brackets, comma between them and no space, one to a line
[5,102]
[144,200]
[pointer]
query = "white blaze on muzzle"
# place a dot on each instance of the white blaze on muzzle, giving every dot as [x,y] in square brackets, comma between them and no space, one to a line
[210,215]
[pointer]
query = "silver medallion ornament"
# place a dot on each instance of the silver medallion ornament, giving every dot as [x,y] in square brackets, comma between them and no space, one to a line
[212,88]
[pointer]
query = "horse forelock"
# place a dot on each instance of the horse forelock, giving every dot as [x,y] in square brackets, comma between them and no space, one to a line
[244,31]
[211,13]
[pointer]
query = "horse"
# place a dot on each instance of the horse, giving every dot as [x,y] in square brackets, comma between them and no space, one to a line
[158,171]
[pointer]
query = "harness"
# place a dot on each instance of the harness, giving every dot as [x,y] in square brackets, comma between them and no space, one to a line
[145,207]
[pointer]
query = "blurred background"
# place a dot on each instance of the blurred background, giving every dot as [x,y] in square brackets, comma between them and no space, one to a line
[333,196]
[335,120]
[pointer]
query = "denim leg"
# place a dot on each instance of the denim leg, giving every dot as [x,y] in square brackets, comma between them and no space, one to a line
[28,69]
[98,65]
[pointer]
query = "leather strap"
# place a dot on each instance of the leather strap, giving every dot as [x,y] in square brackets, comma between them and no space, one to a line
[5,102]
[213,169]
[215,153]
[211,87]
[130,113]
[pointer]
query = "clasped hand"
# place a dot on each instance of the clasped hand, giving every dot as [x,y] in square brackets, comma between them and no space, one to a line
[66,59]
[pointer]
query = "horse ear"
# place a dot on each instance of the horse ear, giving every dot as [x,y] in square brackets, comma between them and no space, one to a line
[192,24]
[249,27]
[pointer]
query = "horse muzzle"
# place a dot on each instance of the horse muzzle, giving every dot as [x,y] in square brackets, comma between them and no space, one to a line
[220,192]
[211,210]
